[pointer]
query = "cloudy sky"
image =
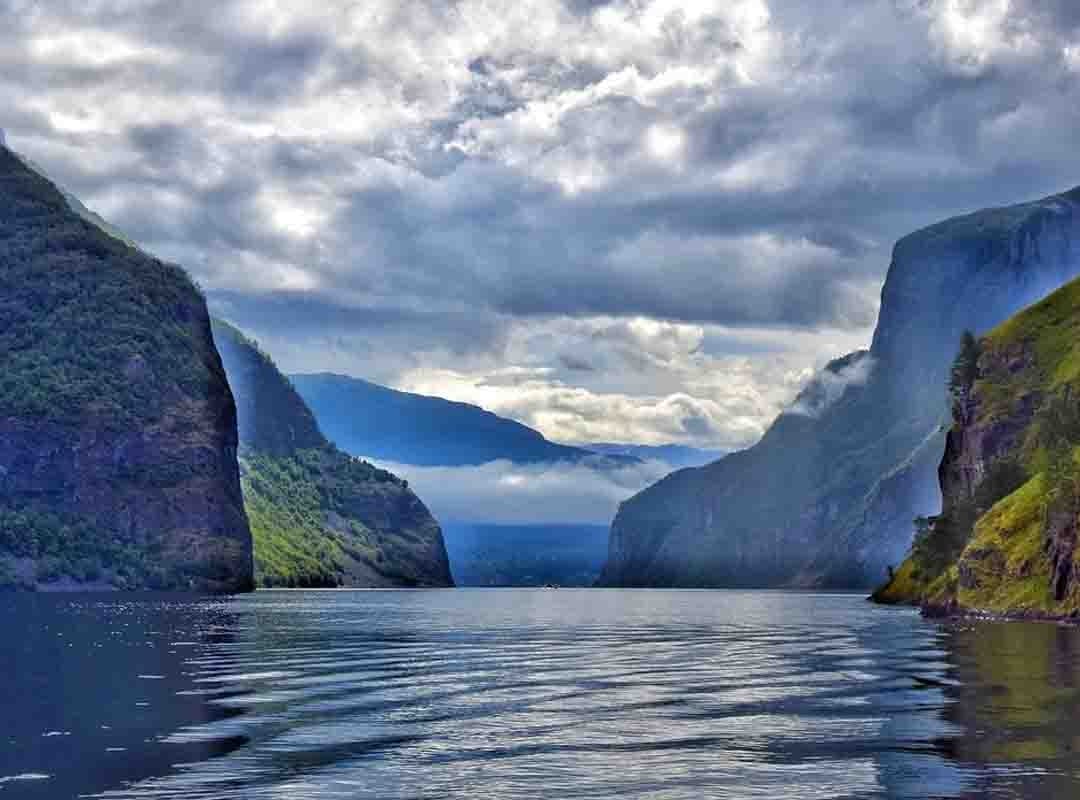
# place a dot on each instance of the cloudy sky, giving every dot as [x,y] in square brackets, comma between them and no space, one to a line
[636,220]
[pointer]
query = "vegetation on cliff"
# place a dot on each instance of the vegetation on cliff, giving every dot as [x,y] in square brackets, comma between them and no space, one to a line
[82,311]
[117,429]
[320,517]
[1006,540]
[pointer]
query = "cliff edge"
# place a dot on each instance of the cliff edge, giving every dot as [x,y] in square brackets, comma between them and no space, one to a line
[118,444]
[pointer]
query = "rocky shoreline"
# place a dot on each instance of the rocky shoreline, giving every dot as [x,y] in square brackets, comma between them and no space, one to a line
[953,612]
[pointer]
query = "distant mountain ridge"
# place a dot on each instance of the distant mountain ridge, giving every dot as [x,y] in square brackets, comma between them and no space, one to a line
[320,517]
[827,498]
[405,428]
[675,455]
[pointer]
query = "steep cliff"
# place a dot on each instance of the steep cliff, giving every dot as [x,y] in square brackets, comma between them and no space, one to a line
[1006,538]
[320,517]
[826,498]
[118,443]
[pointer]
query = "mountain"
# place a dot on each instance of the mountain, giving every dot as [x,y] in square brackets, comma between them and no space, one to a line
[525,555]
[320,517]
[1006,539]
[117,427]
[676,456]
[404,428]
[827,496]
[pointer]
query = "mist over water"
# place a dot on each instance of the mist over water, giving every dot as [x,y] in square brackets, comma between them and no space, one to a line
[533,693]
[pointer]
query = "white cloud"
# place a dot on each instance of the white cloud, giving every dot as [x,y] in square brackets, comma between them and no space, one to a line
[828,385]
[504,493]
[1072,57]
[636,380]
[973,35]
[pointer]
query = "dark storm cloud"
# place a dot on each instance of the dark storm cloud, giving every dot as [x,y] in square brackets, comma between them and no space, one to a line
[575,363]
[310,332]
[586,6]
[307,314]
[268,72]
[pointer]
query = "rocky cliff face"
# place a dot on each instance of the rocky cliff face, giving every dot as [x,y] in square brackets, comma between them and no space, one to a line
[826,498]
[118,440]
[320,517]
[1006,539]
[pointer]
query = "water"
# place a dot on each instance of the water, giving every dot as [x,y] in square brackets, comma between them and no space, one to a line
[529,694]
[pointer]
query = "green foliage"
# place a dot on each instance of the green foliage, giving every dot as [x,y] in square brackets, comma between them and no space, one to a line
[1058,434]
[290,502]
[99,343]
[1005,564]
[323,518]
[87,323]
[318,516]
[902,586]
[965,368]
[940,541]
[68,547]
[1039,351]
[992,551]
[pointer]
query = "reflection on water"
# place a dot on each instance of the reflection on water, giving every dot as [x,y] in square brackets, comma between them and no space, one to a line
[1017,700]
[550,694]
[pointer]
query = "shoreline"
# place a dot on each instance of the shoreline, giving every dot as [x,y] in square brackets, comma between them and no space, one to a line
[954,612]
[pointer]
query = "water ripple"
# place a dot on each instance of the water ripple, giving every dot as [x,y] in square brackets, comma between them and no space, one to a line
[664,695]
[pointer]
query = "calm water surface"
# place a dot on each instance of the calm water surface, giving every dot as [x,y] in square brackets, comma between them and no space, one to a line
[529,694]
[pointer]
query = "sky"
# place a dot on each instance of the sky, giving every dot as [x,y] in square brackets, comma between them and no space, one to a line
[640,220]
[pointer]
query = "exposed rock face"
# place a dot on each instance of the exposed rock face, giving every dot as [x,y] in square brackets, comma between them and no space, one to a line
[827,497]
[1006,540]
[319,516]
[118,442]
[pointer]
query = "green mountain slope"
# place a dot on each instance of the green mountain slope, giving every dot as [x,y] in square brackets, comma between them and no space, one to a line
[320,517]
[1006,540]
[117,427]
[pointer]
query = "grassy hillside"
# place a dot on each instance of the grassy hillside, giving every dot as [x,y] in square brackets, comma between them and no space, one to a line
[319,517]
[1006,541]
[308,530]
